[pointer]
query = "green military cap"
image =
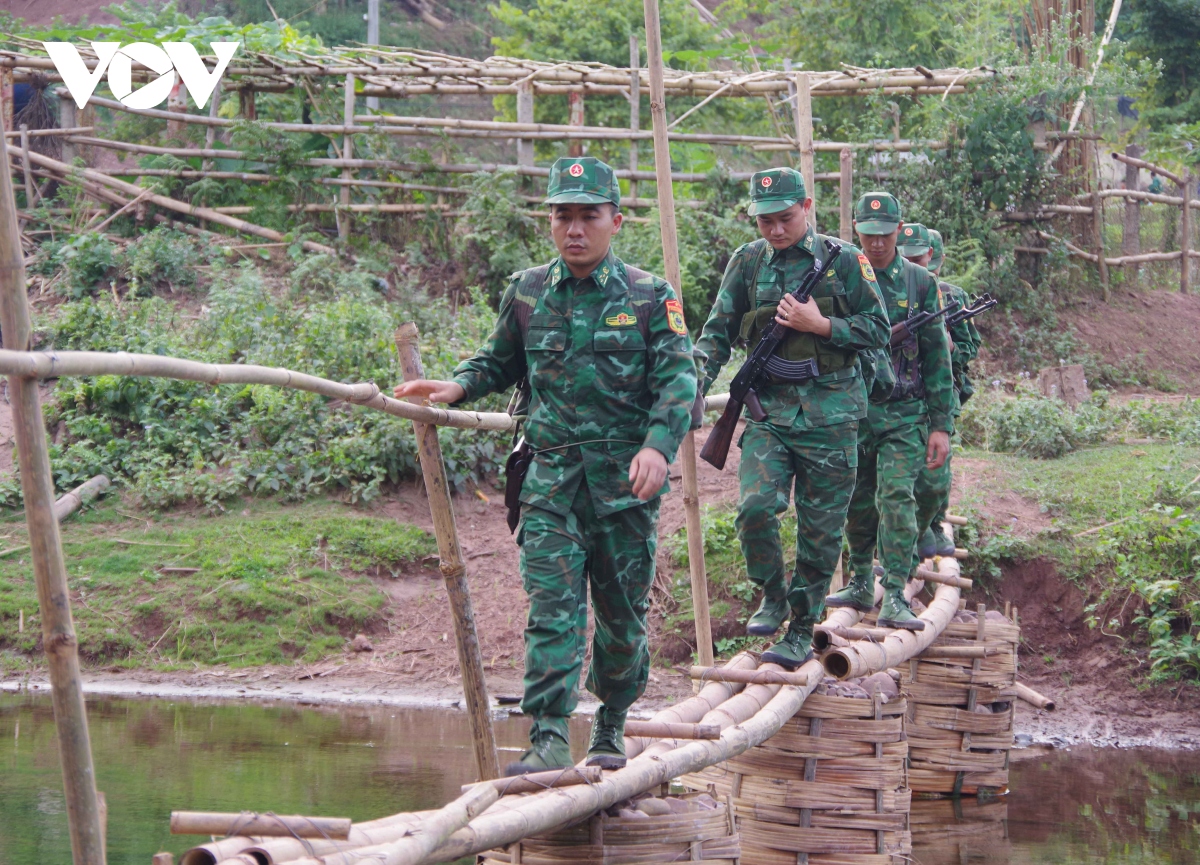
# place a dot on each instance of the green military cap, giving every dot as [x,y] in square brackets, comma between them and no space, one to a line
[775,190]
[877,213]
[939,250]
[582,180]
[914,240]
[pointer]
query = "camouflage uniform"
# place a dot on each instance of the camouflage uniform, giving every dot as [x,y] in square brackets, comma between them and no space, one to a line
[601,389]
[810,432]
[933,485]
[893,438]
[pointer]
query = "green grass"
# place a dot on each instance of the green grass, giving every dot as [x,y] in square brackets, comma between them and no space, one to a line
[276,584]
[1086,488]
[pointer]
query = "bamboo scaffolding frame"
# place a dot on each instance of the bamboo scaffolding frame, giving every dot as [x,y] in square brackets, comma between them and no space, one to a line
[249,822]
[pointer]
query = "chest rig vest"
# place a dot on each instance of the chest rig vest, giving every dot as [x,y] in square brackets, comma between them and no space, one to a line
[906,357]
[765,288]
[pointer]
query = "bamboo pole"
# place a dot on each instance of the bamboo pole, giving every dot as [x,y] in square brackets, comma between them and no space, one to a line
[274,850]
[264,825]
[955,520]
[747,677]
[534,782]
[343,216]
[1131,226]
[433,831]
[205,213]
[1032,697]
[1098,241]
[666,730]
[1149,166]
[81,495]
[50,573]
[635,107]
[453,567]
[1185,233]
[804,136]
[932,576]
[26,168]
[52,133]
[670,243]
[525,148]
[846,195]
[37,364]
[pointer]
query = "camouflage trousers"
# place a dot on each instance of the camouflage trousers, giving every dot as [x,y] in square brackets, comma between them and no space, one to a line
[932,493]
[883,510]
[560,557]
[821,463]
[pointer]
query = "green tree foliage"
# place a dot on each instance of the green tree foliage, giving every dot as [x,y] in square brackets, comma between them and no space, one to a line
[1166,32]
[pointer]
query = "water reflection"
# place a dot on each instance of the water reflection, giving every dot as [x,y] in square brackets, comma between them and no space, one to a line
[152,756]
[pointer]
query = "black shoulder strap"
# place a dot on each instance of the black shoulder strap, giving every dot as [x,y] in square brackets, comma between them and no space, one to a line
[918,289]
[641,296]
[529,290]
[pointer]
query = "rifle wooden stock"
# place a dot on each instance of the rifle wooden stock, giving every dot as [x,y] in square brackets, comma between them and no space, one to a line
[716,449]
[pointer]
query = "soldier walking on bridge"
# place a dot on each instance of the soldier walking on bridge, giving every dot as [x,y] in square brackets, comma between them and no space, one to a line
[933,485]
[900,436]
[810,433]
[611,382]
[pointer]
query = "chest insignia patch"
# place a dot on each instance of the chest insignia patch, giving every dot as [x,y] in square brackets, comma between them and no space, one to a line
[622,320]
[675,319]
[903,302]
[868,272]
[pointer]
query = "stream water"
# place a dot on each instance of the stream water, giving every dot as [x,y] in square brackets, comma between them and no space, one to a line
[1083,805]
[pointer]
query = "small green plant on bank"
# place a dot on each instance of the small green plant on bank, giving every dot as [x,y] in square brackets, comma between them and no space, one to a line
[279,585]
[1124,527]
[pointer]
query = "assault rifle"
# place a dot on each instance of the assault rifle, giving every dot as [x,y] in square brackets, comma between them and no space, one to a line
[907,328]
[761,367]
[979,305]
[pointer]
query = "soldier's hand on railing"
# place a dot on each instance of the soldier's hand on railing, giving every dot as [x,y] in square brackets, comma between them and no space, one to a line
[430,389]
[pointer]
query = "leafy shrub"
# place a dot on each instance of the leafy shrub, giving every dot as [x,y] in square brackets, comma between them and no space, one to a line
[1153,557]
[1034,425]
[86,259]
[175,441]
[164,256]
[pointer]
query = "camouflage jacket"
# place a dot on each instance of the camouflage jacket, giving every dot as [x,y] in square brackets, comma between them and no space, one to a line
[939,404]
[600,391]
[848,295]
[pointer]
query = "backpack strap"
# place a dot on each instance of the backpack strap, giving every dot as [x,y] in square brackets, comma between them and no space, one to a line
[529,290]
[751,264]
[641,296]
[918,293]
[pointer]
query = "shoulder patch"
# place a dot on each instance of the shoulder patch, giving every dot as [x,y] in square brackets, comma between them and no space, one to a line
[675,319]
[868,272]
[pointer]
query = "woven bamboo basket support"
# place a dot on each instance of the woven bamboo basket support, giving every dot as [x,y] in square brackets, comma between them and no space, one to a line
[828,789]
[960,710]
[625,835]
[967,829]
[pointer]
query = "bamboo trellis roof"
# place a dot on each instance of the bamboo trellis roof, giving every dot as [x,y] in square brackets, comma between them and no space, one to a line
[398,72]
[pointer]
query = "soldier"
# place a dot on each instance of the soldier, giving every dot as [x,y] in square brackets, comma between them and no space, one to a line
[933,486]
[810,434]
[608,361]
[899,436]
